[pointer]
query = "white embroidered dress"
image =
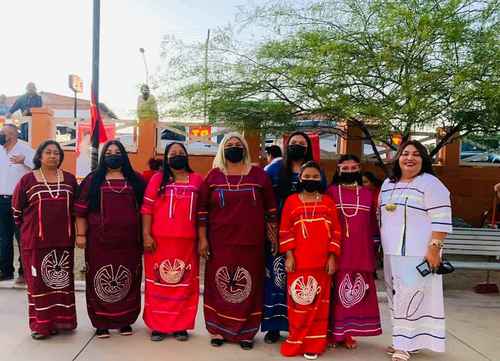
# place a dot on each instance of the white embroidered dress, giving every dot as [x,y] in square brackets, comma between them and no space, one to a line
[416,302]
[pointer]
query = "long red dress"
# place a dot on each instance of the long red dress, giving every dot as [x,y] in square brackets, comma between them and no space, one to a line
[172,270]
[235,209]
[47,247]
[355,309]
[312,231]
[112,254]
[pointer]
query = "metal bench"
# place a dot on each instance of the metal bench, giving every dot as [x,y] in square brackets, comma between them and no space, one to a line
[480,242]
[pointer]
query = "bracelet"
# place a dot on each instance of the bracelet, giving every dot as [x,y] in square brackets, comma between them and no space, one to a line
[436,243]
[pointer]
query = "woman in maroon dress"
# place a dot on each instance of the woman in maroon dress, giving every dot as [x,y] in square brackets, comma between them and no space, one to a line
[234,201]
[42,205]
[108,227]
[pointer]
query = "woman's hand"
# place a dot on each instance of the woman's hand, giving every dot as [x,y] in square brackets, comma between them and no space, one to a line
[272,235]
[433,257]
[81,241]
[149,243]
[290,262]
[203,248]
[331,265]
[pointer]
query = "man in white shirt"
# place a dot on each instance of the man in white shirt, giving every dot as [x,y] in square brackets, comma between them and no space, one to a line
[16,159]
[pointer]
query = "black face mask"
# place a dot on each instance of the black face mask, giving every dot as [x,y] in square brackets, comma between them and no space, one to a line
[3,139]
[296,151]
[234,154]
[349,177]
[310,185]
[178,162]
[113,161]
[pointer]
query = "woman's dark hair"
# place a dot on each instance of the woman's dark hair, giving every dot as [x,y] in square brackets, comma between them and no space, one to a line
[37,159]
[424,154]
[154,164]
[286,172]
[344,158]
[372,178]
[168,175]
[99,175]
[312,164]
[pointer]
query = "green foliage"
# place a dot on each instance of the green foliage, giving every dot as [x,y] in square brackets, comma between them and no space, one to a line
[404,65]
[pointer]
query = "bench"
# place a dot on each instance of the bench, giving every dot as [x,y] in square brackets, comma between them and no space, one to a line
[484,242]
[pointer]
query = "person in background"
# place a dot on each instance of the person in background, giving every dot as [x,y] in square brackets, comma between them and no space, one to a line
[310,236]
[16,159]
[43,210]
[236,212]
[274,155]
[415,217]
[4,108]
[354,293]
[171,261]
[371,181]
[154,166]
[109,228]
[31,99]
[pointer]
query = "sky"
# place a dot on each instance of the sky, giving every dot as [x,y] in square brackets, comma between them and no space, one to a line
[45,41]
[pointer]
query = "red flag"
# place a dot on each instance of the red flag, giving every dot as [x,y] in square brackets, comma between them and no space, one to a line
[96,123]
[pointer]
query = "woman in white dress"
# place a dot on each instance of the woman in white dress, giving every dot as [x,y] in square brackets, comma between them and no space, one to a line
[415,217]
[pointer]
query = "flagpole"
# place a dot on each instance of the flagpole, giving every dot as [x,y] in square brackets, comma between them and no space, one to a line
[95,81]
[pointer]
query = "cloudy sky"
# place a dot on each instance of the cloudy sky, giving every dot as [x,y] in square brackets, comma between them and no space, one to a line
[45,41]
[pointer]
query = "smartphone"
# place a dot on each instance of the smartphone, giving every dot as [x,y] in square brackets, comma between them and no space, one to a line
[424,268]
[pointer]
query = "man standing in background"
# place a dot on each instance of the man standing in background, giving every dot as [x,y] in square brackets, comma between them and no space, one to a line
[16,159]
[24,103]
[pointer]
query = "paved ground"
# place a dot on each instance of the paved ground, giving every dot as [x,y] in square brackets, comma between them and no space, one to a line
[473,335]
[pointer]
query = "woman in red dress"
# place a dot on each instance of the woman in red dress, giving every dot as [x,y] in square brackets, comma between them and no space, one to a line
[310,237]
[108,227]
[42,205]
[170,244]
[235,200]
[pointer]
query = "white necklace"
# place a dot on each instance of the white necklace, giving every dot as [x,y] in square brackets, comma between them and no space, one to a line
[346,215]
[229,185]
[58,190]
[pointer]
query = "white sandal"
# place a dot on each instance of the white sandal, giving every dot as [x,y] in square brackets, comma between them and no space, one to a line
[399,355]
[390,351]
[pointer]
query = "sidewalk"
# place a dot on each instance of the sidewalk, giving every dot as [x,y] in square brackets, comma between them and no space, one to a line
[472,320]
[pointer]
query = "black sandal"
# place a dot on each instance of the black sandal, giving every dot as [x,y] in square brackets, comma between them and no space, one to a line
[38,336]
[217,342]
[181,335]
[272,337]
[246,345]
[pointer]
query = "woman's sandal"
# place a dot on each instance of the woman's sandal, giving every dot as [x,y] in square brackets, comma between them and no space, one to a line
[38,336]
[217,341]
[350,343]
[399,355]
[390,351]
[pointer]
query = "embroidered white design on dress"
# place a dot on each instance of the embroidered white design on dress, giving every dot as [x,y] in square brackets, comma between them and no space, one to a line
[279,272]
[351,294]
[234,287]
[112,287]
[304,293]
[173,272]
[56,271]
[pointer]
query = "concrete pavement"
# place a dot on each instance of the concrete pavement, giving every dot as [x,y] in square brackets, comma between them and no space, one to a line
[473,335]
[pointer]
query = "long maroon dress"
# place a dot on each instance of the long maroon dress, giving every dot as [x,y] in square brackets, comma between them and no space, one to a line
[355,309]
[47,247]
[112,254]
[234,209]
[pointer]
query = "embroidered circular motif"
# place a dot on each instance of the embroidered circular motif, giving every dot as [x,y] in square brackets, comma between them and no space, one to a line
[56,271]
[111,286]
[234,287]
[279,272]
[304,293]
[351,294]
[172,272]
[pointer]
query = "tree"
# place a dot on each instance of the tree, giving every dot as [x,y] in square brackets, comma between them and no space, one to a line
[385,66]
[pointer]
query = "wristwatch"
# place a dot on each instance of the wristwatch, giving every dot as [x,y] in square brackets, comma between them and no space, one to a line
[437,243]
